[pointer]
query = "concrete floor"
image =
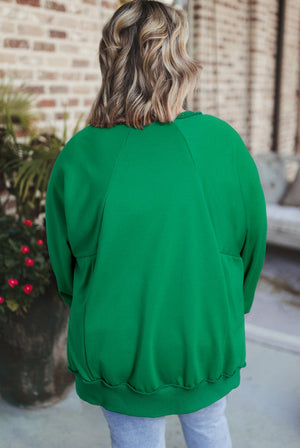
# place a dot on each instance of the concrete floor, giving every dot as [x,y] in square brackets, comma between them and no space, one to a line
[263,412]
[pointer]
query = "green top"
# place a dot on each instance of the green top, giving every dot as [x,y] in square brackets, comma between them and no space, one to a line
[157,238]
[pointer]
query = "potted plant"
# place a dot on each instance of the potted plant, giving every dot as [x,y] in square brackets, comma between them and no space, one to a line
[33,317]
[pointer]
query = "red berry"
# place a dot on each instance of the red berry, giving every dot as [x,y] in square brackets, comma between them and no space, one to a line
[25,249]
[1,299]
[27,288]
[40,242]
[12,282]
[29,261]
[27,222]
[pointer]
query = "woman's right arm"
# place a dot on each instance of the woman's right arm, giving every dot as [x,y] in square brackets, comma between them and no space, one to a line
[254,246]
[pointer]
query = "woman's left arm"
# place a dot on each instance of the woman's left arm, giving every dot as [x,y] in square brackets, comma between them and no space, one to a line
[61,257]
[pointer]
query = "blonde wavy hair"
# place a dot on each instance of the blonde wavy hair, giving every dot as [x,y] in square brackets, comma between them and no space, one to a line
[146,70]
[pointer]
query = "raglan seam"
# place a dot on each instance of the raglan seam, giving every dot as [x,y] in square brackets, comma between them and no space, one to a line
[105,196]
[109,185]
[186,144]
[198,176]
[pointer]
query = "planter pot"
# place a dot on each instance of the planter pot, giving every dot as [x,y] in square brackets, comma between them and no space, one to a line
[33,364]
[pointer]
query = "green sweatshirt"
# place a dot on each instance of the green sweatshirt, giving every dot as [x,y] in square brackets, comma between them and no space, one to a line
[157,238]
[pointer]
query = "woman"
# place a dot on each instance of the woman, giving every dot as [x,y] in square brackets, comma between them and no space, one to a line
[156,229]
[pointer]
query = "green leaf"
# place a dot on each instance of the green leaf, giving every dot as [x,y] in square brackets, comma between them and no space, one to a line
[13,245]
[12,305]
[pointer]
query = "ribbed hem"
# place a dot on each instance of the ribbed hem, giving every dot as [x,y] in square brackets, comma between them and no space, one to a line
[167,400]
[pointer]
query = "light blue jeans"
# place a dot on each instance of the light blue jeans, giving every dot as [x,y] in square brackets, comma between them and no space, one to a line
[206,428]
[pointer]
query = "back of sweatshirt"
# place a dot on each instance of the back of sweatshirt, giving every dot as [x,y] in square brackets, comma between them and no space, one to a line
[157,238]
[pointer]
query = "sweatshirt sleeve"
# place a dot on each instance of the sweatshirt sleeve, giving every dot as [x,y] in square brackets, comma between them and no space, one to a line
[254,246]
[60,254]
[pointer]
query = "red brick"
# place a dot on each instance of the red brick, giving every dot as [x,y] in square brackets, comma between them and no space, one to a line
[34,89]
[88,102]
[20,74]
[56,6]
[43,46]
[229,5]
[47,75]
[73,76]
[107,4]
[60,115]
[59,89]
[46,103]
[8,57]
[16,43]
[71,102]
[29,2]
[91,77]
[57,33]
[80,63]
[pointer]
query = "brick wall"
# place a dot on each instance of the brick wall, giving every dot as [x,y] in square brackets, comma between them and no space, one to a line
[262,62]
[290,78]
[236,41]
[52,47]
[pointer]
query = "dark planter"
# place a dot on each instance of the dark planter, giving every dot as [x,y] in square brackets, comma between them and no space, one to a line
[33,364]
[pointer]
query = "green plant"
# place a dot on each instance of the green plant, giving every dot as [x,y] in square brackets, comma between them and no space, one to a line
[16,106]
[24,264]
[25,167]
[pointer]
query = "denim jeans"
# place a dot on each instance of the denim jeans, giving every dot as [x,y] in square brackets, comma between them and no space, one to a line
[206,428]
